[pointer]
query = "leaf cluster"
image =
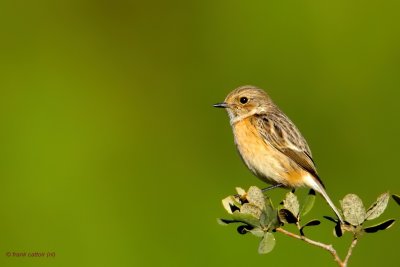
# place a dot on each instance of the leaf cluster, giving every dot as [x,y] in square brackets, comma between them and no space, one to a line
[356,215]
[256,214]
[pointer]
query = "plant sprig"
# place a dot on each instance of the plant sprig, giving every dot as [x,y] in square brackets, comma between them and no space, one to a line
[257,215]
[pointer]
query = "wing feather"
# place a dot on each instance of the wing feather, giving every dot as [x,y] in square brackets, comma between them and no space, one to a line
[282,134]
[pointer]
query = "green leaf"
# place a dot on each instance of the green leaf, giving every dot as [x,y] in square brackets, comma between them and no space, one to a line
[353,209]
[240,191]
[310,223]
[269,215]
[267,243]
[287,216]
[231,204]
[379,227]
[378,207]
[257,232]
[268,202]
[396,198]
[330,219]
[252,209]
[256,197]
[244,229]
[308,203]
[223,221]
[246,217]
[291,203]
[338,230]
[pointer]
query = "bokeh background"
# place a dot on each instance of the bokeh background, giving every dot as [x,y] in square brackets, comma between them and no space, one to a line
[111,152]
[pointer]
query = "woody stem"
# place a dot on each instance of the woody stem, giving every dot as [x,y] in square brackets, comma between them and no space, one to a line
[328,248]
[349,252]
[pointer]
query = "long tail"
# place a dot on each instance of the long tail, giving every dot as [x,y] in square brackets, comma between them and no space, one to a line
[317,186]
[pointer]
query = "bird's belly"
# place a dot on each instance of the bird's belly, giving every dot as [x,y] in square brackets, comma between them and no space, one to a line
[266,162]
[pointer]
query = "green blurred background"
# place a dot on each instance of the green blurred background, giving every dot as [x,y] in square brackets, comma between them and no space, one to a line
[111,152]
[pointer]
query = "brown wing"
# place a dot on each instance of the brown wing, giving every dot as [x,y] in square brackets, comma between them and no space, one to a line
[281,133]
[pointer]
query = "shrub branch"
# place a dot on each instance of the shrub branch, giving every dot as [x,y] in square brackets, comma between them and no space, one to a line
[257,215]
[326,247]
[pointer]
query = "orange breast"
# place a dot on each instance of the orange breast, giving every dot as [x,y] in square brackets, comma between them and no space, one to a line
[265,161]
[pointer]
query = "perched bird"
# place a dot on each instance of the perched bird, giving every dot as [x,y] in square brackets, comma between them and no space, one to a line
[269,143]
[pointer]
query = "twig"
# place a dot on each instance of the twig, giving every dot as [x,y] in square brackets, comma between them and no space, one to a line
[327,247]
[353,244]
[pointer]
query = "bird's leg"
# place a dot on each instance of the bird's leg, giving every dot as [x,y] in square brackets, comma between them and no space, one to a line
[271,187]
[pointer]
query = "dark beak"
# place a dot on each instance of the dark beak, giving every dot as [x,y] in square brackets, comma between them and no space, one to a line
[221,105]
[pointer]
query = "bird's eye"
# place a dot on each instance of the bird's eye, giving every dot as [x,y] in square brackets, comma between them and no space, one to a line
[243,100]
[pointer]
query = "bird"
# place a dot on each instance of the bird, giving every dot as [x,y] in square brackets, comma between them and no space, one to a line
[270,144]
